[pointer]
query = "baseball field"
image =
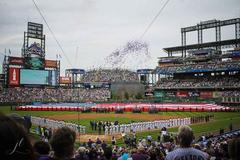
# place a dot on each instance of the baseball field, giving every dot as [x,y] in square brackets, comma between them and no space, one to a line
[219,120]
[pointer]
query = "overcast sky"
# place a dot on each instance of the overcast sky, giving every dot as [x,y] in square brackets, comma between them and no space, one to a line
[98,27]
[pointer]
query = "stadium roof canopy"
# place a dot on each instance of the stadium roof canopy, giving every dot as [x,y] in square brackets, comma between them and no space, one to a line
[223,44]
[218,44]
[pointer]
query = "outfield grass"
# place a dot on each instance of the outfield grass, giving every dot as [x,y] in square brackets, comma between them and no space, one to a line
[220,120]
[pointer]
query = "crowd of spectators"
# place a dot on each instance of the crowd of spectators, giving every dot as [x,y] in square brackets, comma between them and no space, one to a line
[231,94]
[207,66]
[223,146]
[223,82]
[110,75]
[15,144]
[53,94]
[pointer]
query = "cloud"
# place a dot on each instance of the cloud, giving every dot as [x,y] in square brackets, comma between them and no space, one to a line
[99,27]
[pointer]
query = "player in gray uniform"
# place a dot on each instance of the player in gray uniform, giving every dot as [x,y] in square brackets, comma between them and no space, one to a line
[111,130]
[106,130]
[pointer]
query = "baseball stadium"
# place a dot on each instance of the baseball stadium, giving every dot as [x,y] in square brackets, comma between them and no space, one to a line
[135,113]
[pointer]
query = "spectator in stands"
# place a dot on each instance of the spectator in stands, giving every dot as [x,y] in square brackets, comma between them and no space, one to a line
[42,150]
[108,153]
[209,82]
[104,145]
[89,143]
[26,124]
[200,66]
[110,75]
[140,154]
[185,151]
[20,95]
[234,148]
[62,144]
[125,155]
[98,141]
[14,142]
[82,154]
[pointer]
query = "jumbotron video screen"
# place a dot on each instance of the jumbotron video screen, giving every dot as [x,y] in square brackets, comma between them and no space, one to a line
[37,77]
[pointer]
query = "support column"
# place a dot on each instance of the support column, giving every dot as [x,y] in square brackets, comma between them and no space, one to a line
[218,35]
[200,36]
[237,32]
[183,36]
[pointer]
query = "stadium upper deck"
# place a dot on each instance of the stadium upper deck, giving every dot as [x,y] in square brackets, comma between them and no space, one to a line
[110,75]
[203,71]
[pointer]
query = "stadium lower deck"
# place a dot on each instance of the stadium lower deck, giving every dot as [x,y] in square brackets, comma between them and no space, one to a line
[126,107]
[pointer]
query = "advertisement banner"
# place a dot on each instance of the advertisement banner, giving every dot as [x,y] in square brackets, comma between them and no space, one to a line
[182,94]
[217,94]
[13,77]
[144,71]
[65,80]
[50,64]
[236,58]
[159,94]
[206,94]
[171,94]
[148,93]
[76,71]
[193,94]
[16,60]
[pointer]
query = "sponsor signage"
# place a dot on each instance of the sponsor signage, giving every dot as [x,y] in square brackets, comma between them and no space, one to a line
[193,94]
[50,64]
[13,78]
[144,71]
[170,94]
[79,71]
[159,94]
[148,93]
[217,94]
[236,58]
[206,94]
[16,60]
[65,80]
[182,94]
